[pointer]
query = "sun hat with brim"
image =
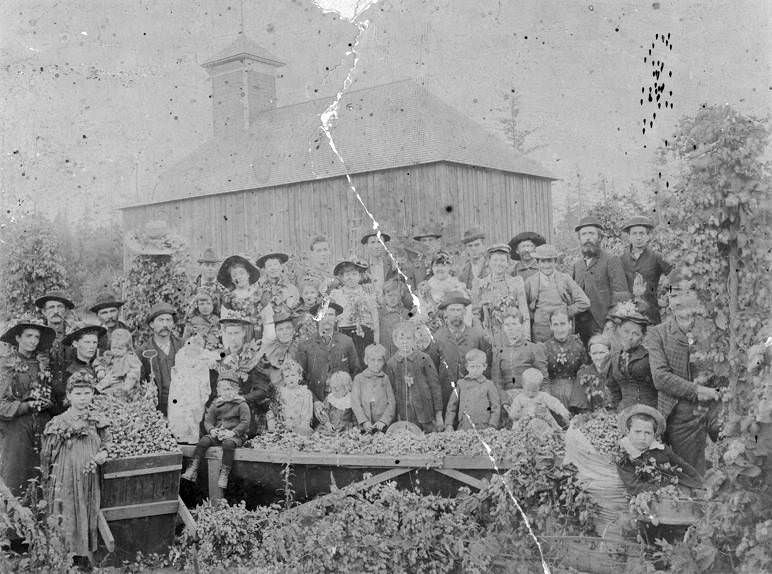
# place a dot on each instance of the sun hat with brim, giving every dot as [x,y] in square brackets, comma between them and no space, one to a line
[224,274]
[60,296]
[47,334]
[282,317]
[546,251]
[430,231]
[106,300]
[209,256]
[341,267]
[442,258]
[500,248]
[472,234]
[161,308]
[231,317]
[637,221]
[640,409]
[81,331]
[385,236]
[589,221]
[329,304]
[454,298]
[531,236]
[282,257]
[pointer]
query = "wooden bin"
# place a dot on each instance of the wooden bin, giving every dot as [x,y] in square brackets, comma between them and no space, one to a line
[140,503]
[668,510]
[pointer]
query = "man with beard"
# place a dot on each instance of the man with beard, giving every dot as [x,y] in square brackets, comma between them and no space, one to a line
[157,353]
[107,307]
[54,305]
[327,352]
[688,407]
[643,267]
[601,277]
[521,248]
[455,339]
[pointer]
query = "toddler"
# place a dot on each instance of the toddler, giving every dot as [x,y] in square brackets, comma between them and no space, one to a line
[295,400]
[118,370]
[226,422]
[335,413]
[372,398]
[203,320]
[536,403]
[476,397]
[592,377]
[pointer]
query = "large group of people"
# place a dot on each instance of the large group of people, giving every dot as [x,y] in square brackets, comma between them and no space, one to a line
[442,343]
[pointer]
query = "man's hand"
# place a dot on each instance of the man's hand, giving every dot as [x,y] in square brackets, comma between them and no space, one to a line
[707,394]
[439,423]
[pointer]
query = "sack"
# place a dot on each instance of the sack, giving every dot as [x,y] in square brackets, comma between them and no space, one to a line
[599,476]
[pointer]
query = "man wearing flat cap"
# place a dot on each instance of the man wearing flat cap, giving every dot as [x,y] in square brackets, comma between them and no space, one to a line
[474,266]
[158,353]
[601,277]
[643,267]
[107,308]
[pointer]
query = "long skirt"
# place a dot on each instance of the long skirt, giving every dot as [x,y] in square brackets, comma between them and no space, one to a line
[569,392]
[20,450]
[687,432]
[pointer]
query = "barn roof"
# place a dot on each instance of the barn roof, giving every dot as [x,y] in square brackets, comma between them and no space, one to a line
[243,47]
[392,125]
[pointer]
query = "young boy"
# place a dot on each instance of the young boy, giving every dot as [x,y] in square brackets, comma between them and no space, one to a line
[646,463]
[534,402]
[476,397]
[372,398]
[415,382]
[391,312]
[226,422]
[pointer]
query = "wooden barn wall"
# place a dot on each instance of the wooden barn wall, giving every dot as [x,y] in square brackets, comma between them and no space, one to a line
[285,218]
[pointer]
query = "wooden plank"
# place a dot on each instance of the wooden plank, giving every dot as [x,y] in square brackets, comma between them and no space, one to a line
[140,510]
[139,489]
[142,461]
[104,532]
[461,477]
[142,471]
[474,462]
[325,459]
[213,465]
[185,515]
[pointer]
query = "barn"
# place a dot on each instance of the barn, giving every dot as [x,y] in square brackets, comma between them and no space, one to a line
[267,179]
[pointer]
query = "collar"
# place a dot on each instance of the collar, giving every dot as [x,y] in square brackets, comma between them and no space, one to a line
[341,403]
[630,252]
[401,358]
[236,400]
[532,265]
[634,452]
[638,353]
[369,373]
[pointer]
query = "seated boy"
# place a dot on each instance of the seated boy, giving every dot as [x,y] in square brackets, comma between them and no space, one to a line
[372,397]
[475,400]
[646,463]
[536,403]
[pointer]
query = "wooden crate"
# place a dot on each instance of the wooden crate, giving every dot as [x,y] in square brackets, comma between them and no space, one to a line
[140,503]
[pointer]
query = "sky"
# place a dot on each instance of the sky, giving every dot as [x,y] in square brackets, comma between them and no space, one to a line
[100,97]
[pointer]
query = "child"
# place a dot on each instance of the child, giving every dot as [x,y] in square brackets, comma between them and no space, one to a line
[305,326]
[592,377]
[118,370]
[73,445]
[359,319]
[536,403]
[645,463]
[415,383]
[203,320]
[295,400]
[226,422]
[476,397]
[372,398]
[335,414]
[390,313]
[432,291]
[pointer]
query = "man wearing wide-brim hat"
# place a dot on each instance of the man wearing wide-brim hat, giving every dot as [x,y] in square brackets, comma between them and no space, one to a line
[455,339]
[158,353]
[24,411]
[643,267]
[688,407]
[474,266]
[107,309]
[521,250]
[600,275]
[549,290]
[429,237]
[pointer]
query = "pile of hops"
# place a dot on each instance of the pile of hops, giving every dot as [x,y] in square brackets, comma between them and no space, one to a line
[601,429]
[136,427]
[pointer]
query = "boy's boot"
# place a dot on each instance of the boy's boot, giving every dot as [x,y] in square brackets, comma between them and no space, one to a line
[225,472]
[192,472]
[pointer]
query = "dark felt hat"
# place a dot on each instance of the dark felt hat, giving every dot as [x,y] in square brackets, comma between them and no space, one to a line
[454,297]
[343,265]
[627,312]
[385,236]
[224,274]
[282,257]
[56,295]
[472,234]
[428,231]
[161,308]
[209,256]
[589,221]
[531,236]
[81,330]
[106,300]
[47,334]
[638,221]
[640,409]
[331,304]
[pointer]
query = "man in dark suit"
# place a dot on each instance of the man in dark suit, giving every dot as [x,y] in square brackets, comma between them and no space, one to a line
[601,277]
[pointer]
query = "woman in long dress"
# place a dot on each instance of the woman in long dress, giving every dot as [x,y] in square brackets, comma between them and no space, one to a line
[243,295]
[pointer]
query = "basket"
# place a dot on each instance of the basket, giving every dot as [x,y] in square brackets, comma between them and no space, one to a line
[669,510]
[590,554]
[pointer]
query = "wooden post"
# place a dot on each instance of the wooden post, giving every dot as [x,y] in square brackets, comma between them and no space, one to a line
[213,466]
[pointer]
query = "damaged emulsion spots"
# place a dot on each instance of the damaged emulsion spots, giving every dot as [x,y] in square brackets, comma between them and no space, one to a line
[655,95]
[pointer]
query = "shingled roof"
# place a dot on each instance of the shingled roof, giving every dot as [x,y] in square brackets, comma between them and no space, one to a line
[383,127]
